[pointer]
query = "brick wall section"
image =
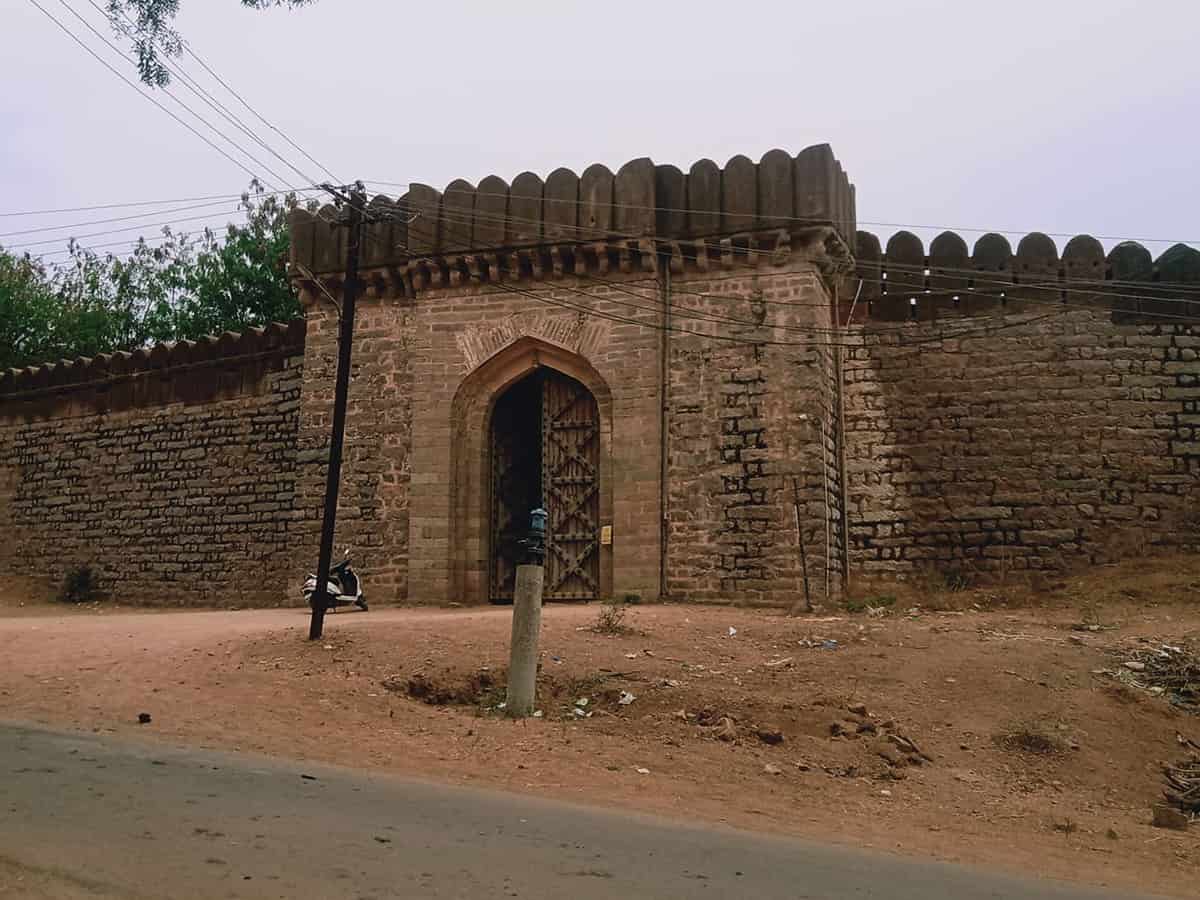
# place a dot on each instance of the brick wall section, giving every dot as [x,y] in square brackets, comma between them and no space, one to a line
[455,330]
[1028,442]
[745,421]
[176,485]
[373,503]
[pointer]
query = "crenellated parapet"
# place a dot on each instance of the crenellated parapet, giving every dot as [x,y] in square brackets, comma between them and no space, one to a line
[187,371]
[628,220]
[905,280]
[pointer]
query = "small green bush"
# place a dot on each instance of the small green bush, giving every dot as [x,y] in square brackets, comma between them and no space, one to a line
[81,585]
[862,604]
[611,619]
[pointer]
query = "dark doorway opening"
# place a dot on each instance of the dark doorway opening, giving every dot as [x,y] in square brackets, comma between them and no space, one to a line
[545,449]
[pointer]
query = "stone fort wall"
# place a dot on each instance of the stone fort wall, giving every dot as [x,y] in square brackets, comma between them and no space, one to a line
[170,472]
[1015,411]
[758,365]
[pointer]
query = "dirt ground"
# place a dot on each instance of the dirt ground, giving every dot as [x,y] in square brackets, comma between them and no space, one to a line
[997,728]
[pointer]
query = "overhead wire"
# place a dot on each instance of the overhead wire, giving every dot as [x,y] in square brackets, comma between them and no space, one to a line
[153,100]
[462,219]
[819,219]
[191,52]
[591,311]
[134,203]
[104,39]
[1002,285]
[105,233]
[201,92]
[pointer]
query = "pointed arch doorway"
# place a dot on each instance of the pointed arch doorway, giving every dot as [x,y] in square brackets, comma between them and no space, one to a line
[544,449]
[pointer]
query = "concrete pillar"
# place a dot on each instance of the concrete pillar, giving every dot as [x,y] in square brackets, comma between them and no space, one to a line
[526,628]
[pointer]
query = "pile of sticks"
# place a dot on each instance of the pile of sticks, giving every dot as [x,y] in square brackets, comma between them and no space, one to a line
[1183,780]
[1174,671]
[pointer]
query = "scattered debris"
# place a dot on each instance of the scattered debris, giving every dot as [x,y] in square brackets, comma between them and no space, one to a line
[770,735]
[1167,816]
[631,656]
[772,769]
[726,730]
[641,771]
[473,692]
[1183,779]
[583,701]
[779,663]
[1173,670]
[732,631]
[626,698]
[143,718]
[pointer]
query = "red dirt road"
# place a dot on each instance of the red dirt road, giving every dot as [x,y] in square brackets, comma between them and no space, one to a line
[951,682]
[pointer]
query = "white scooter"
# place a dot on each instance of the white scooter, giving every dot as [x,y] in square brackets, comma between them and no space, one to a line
[345,587]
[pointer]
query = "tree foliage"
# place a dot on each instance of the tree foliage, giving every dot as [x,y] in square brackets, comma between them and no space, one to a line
[149,24]
[183,288]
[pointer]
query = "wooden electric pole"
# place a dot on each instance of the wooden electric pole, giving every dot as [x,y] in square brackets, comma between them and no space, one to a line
[356,201]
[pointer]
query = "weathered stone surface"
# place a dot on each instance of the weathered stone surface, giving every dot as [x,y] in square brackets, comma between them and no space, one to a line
[670,189]
[491,213]
[424,206]
[776,189]
[168,486]
[457,216]
[815,176]
[739,195]
[561,205]
[525,208]
[634,198]
[596,201]
[704,198]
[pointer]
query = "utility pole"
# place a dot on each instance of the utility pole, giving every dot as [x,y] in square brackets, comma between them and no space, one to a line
[357,202]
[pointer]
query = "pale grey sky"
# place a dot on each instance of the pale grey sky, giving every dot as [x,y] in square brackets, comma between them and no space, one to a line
[1058,115]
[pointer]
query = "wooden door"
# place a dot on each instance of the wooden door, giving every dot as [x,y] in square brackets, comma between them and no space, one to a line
[571,488]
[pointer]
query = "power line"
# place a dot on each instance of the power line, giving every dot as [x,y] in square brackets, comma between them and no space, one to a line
[45,228]
[924,293]
[188,48]
[134,203]
[822,219]
[78,237]
[974,275]
[120,75]
[174,97]
[213,103]
[509,288]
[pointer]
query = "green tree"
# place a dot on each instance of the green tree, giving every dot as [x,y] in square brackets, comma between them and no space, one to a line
[185,287]
[27,311]
[148,23]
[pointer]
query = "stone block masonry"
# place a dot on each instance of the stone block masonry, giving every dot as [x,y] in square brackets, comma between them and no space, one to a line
[681,366]
[170,472]
[1040,444]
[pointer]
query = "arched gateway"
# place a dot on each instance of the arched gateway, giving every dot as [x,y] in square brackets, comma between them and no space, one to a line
[544,445]
[531,426]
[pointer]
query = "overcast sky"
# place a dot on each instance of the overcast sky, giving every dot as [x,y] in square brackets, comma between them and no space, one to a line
[1056,115]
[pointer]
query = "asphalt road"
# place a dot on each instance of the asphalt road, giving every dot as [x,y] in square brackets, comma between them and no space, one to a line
[85,816]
